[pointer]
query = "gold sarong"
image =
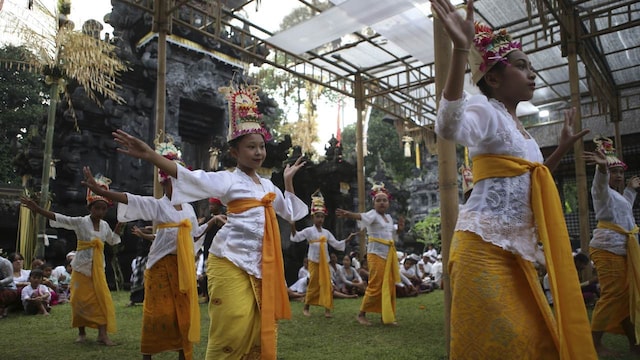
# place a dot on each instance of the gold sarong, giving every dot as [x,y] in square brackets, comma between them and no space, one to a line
[187,275]
[380,295]
[320,290]
[234,311]
[165,312]
[571,328]
[274,303]
[495,312]
[91,302]
[619,284]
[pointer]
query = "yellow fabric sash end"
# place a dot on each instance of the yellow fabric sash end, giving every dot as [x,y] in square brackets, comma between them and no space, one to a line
[275,300]
[391,277]
[573,330]
[187,274]
[100,280]
[633,271]
[324,276]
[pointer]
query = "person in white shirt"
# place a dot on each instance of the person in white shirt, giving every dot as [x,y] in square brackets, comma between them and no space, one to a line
[36,296]
[614,248]
[319,290]
[91,303]
[436,271]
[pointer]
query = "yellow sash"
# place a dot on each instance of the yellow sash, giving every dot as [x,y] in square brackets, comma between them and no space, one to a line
[391,277]
[275,301]
[187,274]
[100,280]
[324,277]
[572,331]
[633,271]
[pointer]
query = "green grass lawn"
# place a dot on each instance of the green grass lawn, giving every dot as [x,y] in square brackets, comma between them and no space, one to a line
[420,334]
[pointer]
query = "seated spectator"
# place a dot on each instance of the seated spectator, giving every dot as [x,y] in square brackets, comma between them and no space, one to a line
[363,271]
[61,269]
[337,279]
[298,290]
[64,279]
[20,275]
[410,269]
[353,283]
[8,290]
[424,265]
[405,288]
[354,259]
[145,238]
[50,282]
[36,296]
[436,272]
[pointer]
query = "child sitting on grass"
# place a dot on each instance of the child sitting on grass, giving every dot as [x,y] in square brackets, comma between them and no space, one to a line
[36,296]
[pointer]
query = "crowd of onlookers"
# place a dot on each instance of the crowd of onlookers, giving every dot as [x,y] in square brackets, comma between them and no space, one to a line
[419,274]
[32,291]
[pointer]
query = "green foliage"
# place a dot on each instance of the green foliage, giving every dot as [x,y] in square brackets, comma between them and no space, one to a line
[22,104]
[428,229]
[349,143]
[570,194]
[383,141]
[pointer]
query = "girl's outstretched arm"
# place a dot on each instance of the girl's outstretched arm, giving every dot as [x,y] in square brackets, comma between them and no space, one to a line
[134,147]
[461,31]
[33,206]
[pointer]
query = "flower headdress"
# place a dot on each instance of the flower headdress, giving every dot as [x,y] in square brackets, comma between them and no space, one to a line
[467,178]
[489,48]
[378,189]
[244,117]
[103,182]
[169,150]
[606,146]
[317,203]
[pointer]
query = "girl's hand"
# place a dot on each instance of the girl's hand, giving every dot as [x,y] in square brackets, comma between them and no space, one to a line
[567,137]
[595,158]
[291,170]
[131,145]
[89,180]
[30,204]
[460,30]
[342,213]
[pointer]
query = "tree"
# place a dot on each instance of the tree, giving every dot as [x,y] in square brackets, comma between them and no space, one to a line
[428,229]
[22,104]
[69,56]
[383,140]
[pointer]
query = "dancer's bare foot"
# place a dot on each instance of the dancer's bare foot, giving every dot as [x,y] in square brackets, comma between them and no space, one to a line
[81,339]
[328,315]
[363,320]
[306,312]
[106,342]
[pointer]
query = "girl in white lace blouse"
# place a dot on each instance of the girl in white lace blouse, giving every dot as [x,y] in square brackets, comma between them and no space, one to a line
[496,239]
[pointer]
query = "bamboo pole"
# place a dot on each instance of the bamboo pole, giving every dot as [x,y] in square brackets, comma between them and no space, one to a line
[359,103]
[578,147]
[447,172]
[162,23]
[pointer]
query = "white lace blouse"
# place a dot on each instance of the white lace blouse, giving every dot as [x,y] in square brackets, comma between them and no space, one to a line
[83,227]
[378,226]
[499,209]
[312,233]
[160,211]
[614,207]
[240,239]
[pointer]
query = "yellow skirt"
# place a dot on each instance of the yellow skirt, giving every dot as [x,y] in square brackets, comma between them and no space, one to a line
[165,313]
[234,310]
[86,308]
[494,311]
[372,301]
[613,305]
[314,291]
